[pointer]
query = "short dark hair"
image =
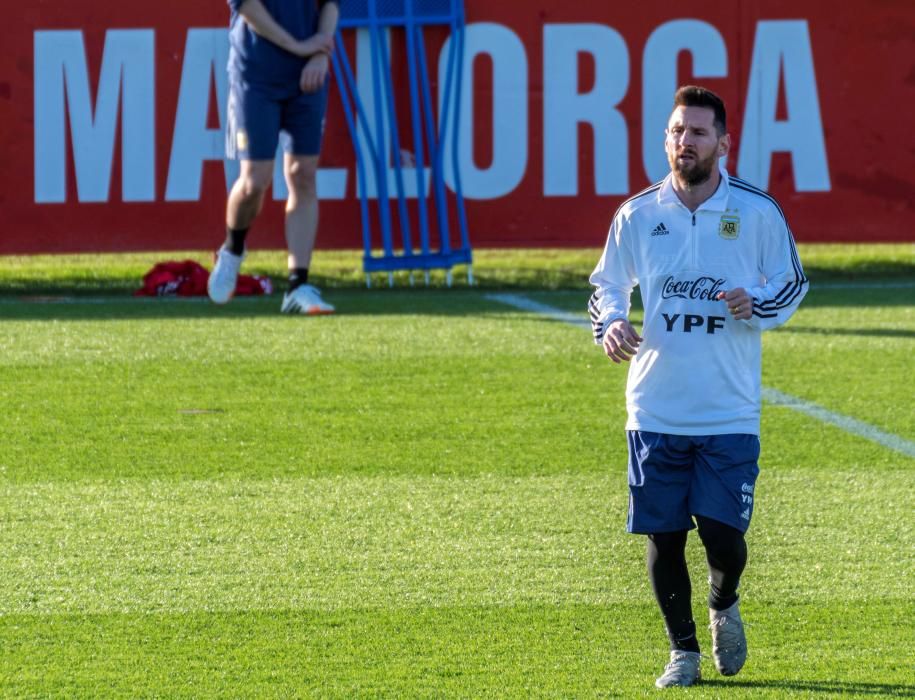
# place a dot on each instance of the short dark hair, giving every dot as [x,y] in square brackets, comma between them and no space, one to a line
[695,96]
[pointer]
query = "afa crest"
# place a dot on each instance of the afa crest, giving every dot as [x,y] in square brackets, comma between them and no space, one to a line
[729,226]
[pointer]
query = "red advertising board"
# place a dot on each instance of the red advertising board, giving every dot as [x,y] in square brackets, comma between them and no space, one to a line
[112,114]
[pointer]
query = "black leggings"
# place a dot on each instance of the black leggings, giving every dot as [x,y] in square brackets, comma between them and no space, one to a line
[726,551]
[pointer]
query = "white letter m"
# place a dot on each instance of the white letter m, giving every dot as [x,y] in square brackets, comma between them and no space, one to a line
[60,69]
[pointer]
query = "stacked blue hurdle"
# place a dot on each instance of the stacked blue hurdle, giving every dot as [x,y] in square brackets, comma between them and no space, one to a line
[371,116]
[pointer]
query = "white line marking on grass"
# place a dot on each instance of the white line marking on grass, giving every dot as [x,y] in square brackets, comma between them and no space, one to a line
[849,425]
[525,304]
[773,396]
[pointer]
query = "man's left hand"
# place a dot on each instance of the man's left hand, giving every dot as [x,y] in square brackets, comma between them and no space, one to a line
[739,303]
[314,74]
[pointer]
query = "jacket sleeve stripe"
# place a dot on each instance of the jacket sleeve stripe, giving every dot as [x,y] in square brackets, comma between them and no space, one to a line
[594,312]
[790,292]
[648,190]
[772,315]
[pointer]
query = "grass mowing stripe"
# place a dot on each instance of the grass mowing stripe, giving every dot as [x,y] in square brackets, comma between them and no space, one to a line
[850,425]
[389,542]
[524,651]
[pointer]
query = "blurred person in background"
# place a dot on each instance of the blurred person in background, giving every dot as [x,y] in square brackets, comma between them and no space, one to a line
[279,60]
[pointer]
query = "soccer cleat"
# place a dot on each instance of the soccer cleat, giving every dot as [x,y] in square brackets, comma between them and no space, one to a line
[223,278]
[305,299]
[682,671]
[729,643]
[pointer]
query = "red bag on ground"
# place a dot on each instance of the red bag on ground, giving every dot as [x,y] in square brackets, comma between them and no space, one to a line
[189,279]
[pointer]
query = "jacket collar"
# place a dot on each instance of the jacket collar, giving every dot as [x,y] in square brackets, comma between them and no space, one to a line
[717,202]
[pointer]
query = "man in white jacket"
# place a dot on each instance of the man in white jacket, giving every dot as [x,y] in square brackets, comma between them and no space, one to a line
[716,265]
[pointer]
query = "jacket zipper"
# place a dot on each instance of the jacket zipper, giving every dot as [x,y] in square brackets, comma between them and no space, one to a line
[694,254]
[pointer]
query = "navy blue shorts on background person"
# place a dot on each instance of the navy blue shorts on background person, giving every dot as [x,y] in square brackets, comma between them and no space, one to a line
[258,114]
[673,477]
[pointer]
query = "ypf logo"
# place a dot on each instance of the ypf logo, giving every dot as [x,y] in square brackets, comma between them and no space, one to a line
[689,322]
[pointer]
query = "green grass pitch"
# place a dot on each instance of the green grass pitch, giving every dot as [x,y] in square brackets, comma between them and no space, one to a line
[422,496]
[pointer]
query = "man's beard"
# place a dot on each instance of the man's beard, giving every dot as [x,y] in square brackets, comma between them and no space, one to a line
[697,172]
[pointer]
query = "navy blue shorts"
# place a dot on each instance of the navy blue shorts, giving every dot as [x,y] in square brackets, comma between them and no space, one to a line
[674,477]
[258,116]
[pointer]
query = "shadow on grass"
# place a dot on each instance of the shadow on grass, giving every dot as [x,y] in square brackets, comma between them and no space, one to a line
[83,283]
[431,301]
[870,332]
[852,688]
[873,270]
[348,303]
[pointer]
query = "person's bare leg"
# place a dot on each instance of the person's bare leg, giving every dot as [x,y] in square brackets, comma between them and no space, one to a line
[301,208]
[247,194]
[243,205]
[301,231]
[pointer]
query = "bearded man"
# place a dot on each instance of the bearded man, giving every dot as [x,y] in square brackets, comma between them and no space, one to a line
[716,265]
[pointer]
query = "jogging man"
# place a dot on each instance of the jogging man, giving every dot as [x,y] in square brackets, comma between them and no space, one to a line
[278,67]
[716,265]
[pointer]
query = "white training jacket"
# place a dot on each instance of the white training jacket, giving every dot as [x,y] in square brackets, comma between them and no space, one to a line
[697,371]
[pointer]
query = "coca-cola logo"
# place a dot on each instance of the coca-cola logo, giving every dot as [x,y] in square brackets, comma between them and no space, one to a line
[703,288]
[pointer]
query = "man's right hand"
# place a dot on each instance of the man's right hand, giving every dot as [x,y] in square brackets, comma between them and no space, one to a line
[317,43]
[621,342]
[314,74]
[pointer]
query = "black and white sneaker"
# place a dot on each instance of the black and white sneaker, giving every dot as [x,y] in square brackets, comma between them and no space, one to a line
[305,299]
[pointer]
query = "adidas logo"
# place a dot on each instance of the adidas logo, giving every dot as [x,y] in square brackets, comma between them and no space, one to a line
[660,230]
[746,514]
